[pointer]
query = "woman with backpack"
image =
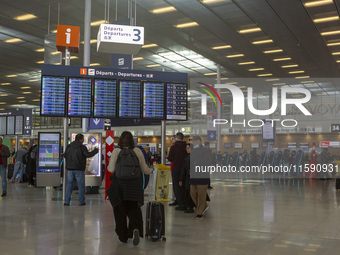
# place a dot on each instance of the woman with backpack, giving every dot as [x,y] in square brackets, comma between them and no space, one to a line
[126,190]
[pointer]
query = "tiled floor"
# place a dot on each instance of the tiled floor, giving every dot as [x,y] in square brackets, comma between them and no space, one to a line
[251,217]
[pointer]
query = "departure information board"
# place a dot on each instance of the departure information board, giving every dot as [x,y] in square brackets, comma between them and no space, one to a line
[3,125]
[176,101]
[19,125]
[153,100]
[10,125]
[79,97]
[129,99]
[105,98]
[53,94]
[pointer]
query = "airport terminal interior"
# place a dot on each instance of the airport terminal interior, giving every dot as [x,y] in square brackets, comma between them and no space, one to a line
[257,81]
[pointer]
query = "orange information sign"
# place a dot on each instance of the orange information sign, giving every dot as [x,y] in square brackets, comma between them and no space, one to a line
[68,37]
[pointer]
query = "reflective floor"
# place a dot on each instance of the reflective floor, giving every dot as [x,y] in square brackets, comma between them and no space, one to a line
[249,217]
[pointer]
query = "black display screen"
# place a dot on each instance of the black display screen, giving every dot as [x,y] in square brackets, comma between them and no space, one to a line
[79,97]
[176,101]
[129,99]
[53,94]
[153,100]
[105,98]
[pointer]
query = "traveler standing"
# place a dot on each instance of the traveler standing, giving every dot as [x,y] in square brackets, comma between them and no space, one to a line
[126,190]
[19,166]
[176,156]
[75,155]
[4,154]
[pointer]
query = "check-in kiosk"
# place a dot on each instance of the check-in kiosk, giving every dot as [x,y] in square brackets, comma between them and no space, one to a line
[48,159]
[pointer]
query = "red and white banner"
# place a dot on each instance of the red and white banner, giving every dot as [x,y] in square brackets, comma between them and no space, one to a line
[109,144]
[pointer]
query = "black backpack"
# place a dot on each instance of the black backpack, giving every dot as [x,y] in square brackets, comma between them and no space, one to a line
[127,166]
[25,158]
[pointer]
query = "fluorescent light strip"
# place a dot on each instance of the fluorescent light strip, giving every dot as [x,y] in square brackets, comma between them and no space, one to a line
[211,1]
[302,77]
[272,51]
[40,62]
[20,97]
[338,61]
[40,50]
[264,74]
[13,40]
[256,69]
[336,53]
[153,65]
[25,87]
[11,75]
[246,63]
[309,82]
[189,24]
[333,18]
[263,41]
[207,74]
[97,23]
[235,56]
[33,80]
[279,84]
[3,95]
[5,83]
[318,3]
[25,17]
[137,58]
[36,100]
[293,72]
[333,44]
[289,66]
[27,92]
[163,10]
[149,45]
[281,59]
[95,64]
[251,30]
[273,79]
[335,32]
[221,47]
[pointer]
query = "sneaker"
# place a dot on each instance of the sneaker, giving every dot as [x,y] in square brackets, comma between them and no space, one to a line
[66,204]
[189,210]
[30,185]
[4,194]
[82,204]
[199,217]
[121,240]
[135,238]
[206,208]
[173,203]
[180,208]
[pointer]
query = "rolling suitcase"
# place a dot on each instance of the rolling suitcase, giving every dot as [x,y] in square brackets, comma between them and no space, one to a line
[10,170]
[337,183]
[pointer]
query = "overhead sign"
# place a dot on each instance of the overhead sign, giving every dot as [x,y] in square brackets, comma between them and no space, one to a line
[120,39]
[68,37]
[211,135]
[96,123]
[335,127]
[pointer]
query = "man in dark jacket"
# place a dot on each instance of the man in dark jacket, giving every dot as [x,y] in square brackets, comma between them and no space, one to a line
[75,155]
[176,156]
[200,157]
[4,154]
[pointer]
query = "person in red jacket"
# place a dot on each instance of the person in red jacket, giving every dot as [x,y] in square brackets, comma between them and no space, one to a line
[176,156]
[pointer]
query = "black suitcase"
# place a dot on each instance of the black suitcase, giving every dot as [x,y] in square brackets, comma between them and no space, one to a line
[337,183]
[155,222]
[10,170]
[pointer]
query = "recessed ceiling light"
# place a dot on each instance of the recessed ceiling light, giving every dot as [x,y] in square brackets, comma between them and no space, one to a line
[25,87]
[11,75]
[27,92]
[97,23]
[188,24]
[318,3]
[263,41]
[20,97]
[2,102]
[333,44]
[25,17]
[246,63]
[163,10]
[264,74]
[235,56]
[40,50]
[155,65]
[272,51]
[302,77]
[149,45]
[5,83]
[95,64]
[281,59]
[3,95]
[22,101]
[13,40]
[335,32]
[221,47]
[137,58]
[293,72]
[289,66]
[256,69]
[326,19]
[207,74]
[251,30]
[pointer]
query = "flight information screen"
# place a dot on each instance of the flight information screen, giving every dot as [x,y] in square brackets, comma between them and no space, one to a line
[19,125]
[10,125]
[3,125]
[53,93]
[105,98]
[79,97]
[129,99]
[153,100]
[176,101]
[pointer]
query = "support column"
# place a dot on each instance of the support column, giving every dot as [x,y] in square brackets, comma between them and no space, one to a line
[163,142]
[65,122]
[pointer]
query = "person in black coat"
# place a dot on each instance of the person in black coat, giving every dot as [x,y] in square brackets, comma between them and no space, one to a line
[185,184]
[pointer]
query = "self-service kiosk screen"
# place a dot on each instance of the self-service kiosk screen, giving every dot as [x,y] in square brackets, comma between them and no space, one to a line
[79,97]
[53,95]
[153,100]
[176,101]
[129,99]
[105,98]
[49,150]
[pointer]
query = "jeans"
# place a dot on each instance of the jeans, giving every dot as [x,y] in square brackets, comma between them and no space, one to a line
[80,177]
[19,167]
[3,178]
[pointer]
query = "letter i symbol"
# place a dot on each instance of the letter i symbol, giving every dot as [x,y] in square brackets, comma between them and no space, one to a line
[68,36]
